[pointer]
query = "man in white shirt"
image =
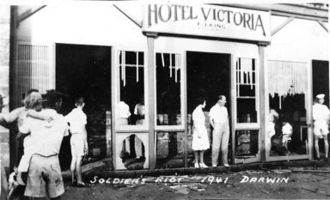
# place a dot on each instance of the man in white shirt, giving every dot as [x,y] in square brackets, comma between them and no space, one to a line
[220,123]
[44,175]
[79,147]
[321,116]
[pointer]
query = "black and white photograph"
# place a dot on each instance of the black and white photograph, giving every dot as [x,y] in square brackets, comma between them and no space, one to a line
[167,99]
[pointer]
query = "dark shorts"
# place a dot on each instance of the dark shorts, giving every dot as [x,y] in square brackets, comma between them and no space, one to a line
[44,177]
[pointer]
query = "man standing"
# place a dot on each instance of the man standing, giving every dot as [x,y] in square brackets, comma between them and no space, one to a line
[220,123]
[79,146]
[321,115]
[44,175]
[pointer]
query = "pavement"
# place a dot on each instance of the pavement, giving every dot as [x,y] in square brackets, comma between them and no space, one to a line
[282,180]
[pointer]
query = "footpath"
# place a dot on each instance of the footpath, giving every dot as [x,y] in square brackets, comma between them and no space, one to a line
[278,180]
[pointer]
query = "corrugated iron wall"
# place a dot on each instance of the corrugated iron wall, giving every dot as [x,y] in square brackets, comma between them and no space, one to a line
[31,71]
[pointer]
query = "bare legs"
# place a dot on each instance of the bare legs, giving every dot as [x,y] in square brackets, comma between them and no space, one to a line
[75,168]
[317,148]
[326,146]
[199,159]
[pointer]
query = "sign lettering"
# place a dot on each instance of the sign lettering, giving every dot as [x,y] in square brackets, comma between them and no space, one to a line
[205,20]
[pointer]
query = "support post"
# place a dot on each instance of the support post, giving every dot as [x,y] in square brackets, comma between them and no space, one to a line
[151,94]
[262,101]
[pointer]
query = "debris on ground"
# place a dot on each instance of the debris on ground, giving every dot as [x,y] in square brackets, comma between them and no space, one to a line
[186,188]
[281,171]
[309,187]
[182,189]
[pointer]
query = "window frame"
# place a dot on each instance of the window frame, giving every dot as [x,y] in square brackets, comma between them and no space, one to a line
[246,125]
[116,81]
[179,127]
[308,99]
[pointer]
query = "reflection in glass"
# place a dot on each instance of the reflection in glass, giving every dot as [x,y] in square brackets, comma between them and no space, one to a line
[130,108]
[168,77]
[133,152]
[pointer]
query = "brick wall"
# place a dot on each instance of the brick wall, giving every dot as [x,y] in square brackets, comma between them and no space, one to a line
[4,78]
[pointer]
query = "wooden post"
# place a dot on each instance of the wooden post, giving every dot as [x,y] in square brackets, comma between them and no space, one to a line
[233,105]
[113,103]
[12,76]
[151,94]
[262,101]
[185,108]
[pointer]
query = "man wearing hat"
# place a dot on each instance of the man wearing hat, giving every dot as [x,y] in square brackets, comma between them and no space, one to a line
[321,116]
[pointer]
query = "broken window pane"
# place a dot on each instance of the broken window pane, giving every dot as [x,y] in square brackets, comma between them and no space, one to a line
[287,126]
[130,109]
[246,90]
[168,87]
[247,143]
[132,152]
[169,149]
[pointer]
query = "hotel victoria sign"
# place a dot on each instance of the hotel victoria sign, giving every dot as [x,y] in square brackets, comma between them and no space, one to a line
[205,20]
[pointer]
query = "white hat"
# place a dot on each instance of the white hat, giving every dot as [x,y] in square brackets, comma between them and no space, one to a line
[320,96]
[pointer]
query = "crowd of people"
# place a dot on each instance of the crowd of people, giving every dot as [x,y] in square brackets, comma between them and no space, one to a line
[220,134]
[40,132]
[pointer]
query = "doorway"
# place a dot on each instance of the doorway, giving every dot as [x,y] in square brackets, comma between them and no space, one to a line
[320,71]
[85,71]
[208,75]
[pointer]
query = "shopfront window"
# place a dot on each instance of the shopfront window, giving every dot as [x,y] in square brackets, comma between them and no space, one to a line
[246,90]
[130,107]
[246,144]
[287,131]
[168,87]
[132,152]
[169,149]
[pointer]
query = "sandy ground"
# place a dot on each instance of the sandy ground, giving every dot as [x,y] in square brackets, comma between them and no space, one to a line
[289,183]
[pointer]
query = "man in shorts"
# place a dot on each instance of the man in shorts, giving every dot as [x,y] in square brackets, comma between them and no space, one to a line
[77,120]
[321,116]
[44,175]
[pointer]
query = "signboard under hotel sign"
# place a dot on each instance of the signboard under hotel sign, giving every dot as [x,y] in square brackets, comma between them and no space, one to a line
[206,20]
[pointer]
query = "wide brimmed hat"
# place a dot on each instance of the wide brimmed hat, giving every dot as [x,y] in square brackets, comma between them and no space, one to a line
[320,96]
